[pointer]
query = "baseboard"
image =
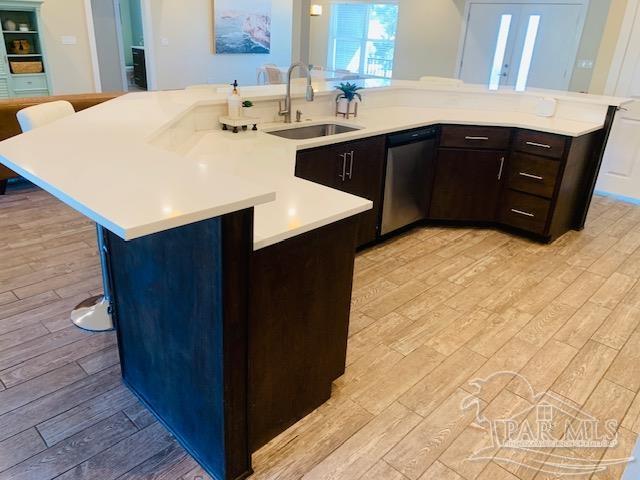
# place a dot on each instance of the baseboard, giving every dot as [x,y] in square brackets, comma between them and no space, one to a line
[622,198]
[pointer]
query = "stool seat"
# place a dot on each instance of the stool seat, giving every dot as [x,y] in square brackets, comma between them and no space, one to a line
[94,314]
[43,114]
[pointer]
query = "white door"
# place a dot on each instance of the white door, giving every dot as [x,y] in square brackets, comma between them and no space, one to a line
[506,42]
[107,45]
[620,173]
[550,33]
[489,42]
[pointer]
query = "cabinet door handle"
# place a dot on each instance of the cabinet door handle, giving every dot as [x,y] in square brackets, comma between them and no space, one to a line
[539,145]
[351,155]
[343,177]
[520,212]
[528,175]
[501,168]
[477,138]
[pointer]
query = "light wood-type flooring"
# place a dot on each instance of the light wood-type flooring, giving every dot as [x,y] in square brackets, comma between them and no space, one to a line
[433,310]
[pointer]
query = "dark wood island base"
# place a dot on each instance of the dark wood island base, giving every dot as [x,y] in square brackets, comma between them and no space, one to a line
[226,346]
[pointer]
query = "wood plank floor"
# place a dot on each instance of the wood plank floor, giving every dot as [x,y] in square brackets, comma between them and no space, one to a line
[432,310]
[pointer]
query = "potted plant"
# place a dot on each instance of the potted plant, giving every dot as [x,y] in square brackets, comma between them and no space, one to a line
[345,100]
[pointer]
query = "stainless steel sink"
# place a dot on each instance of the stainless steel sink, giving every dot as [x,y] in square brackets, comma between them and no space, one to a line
[312,131]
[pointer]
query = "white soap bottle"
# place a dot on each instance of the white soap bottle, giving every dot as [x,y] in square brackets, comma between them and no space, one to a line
[235,102]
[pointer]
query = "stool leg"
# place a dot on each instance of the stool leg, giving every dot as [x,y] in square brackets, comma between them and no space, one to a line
[3,186]
[94,314]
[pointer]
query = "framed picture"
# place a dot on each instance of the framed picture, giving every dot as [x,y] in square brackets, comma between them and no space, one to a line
[242,26]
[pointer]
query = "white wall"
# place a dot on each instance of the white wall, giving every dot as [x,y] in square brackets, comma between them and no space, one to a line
[319,34]
[183,45]
[70,66]
[590,44]
[608,46]
[427,40]
[107,46]
[300,34]
[428,37]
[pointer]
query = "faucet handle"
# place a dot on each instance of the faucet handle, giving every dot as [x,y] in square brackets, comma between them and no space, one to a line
[298,116]
[282,110]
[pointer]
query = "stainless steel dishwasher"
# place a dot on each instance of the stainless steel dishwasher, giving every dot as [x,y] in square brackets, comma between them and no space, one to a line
[409,155]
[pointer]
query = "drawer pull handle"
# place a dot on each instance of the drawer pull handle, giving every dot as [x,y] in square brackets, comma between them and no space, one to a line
[477,138]
[520,212]
[539,145]
[528,175]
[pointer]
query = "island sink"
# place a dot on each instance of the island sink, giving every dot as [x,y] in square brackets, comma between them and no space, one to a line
[312,131]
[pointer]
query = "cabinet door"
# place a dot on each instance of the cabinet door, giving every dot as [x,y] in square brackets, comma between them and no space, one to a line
[467,185]
[365,171]
[323,166]
[354,167]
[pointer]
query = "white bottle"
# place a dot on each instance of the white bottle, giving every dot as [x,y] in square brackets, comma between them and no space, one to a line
[235,102]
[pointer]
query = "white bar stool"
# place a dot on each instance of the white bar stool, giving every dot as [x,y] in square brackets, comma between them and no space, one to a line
[93,314]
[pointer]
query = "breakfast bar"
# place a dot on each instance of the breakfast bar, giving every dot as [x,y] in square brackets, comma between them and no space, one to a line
[231,256]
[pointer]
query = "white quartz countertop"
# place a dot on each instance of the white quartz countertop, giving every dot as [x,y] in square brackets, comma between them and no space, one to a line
[103,163]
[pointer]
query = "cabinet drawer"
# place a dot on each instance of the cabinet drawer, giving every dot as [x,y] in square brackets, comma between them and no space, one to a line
[533,174]
[462,136]
[30,93]
[539,143]
[524,211]
[29,82]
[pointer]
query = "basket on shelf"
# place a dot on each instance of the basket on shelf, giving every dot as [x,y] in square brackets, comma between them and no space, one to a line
[26,67]
[21,47]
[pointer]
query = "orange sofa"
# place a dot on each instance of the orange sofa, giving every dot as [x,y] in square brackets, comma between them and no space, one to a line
[9,126]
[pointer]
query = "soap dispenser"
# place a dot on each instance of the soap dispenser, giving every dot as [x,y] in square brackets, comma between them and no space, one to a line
[235,102]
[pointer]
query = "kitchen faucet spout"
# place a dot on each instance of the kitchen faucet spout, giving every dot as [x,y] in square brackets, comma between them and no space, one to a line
[286,110]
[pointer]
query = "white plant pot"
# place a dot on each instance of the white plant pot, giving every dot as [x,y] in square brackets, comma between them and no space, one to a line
[346,107]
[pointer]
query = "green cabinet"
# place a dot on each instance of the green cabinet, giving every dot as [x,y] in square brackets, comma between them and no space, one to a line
[23,67]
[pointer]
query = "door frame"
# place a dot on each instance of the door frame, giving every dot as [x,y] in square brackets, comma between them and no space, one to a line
[467,14]
[123,64]
[93,46]
[147,33]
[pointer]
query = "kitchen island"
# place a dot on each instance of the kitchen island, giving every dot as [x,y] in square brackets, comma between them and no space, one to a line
[231,276]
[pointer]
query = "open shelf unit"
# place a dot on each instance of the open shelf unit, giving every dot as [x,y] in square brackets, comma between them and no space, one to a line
[23,73]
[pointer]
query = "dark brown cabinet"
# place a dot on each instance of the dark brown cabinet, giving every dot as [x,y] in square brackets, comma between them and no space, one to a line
[540,143]
[466,136]
[550,182]
[467,184]
[353,167]
[139,67]
[524,211]
[530,182]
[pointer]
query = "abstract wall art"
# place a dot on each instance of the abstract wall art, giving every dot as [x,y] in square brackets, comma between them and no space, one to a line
[242,26]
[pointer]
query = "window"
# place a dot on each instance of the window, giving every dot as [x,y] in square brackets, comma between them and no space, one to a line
[362,38]
[527,52]
[501,48]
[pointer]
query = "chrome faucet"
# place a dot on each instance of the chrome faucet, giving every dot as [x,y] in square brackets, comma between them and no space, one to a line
[286,111]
